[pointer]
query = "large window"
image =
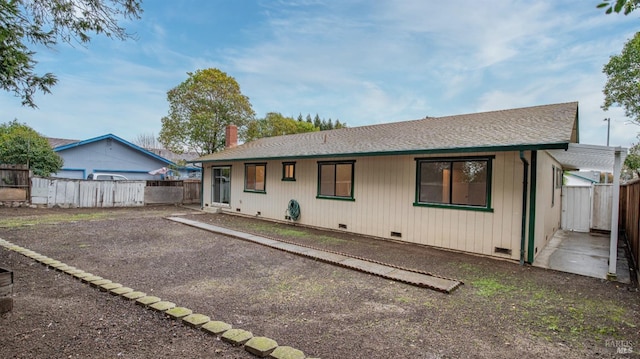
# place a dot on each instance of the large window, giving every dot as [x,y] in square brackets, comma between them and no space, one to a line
[464,182]
[255,175]
[335,180]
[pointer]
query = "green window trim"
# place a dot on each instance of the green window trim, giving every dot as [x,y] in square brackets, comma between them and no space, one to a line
[332,168]
[251,177]
[289,171]
[450,185]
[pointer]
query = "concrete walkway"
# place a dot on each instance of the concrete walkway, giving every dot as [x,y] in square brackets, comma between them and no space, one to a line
[582,253]
[417,278]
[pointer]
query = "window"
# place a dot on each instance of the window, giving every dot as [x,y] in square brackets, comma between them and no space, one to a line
[559,177]
[554,184]
[288,171]
[464,182]
[335,180]
[255,175]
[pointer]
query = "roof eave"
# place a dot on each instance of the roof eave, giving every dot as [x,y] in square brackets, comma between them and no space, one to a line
[504,148]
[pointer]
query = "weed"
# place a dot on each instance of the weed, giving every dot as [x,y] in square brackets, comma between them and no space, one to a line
[404,299]
[16,222]
[489,287]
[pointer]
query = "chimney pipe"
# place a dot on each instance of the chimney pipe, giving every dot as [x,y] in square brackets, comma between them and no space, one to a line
[231,136]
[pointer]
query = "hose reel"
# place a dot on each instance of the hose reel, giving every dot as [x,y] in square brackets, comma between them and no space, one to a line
[294,210]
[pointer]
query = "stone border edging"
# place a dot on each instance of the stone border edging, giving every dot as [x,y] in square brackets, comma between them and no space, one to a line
[261,347]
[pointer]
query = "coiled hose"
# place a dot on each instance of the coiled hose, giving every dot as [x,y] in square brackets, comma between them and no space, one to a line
[294,209]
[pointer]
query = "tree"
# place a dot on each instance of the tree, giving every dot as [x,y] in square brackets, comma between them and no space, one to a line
[147,140]
[619,5]
[623,75]
[20,144]
[632,162]
[200,108]
[317,122]
[45,22]
[275,124]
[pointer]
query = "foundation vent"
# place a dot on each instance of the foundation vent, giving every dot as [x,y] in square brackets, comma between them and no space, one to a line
[502,250]
[396,234]
[342,226]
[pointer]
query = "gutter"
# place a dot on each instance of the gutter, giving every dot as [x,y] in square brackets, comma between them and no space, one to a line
[523,231]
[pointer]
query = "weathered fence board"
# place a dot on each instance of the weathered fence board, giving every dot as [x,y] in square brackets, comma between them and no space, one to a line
[14,182]
[602,202]
[191,191]
[60,192]
[631,219]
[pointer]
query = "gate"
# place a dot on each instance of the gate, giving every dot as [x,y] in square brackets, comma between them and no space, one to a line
[587,207]
[576,208]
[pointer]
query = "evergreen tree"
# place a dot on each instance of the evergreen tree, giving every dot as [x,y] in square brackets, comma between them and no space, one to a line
[316,122]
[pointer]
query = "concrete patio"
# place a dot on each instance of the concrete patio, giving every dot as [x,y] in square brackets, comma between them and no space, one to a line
[586,254]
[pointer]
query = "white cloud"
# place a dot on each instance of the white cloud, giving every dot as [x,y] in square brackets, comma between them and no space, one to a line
[360,61]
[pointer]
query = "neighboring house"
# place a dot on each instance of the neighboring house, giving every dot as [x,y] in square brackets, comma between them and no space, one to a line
[453,182]
[581,178]
[112,154]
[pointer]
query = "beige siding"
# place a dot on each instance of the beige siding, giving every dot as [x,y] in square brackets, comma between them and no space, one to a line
[547,211]
[384,192]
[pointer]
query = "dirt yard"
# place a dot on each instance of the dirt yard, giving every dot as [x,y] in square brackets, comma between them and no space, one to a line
[502,311]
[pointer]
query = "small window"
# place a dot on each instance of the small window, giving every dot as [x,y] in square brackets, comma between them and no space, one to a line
[464,182]
[553,185]
[288,171]
[559,177]
[255,175]
[335,180]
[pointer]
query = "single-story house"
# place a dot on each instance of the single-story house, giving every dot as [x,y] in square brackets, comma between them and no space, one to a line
[112,154]
[581,178]
[484,183]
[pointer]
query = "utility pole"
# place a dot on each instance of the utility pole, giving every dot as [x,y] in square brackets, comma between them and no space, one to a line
[608,119]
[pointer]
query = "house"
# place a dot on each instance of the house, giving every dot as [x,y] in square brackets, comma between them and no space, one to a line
[112,154]
[581,178]
[485,183]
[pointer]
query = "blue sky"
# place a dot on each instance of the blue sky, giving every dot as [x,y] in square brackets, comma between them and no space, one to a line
[360,61]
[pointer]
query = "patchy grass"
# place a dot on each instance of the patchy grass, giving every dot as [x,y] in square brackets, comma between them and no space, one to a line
[549,313]
[274,229]
[489,287]
[16,222]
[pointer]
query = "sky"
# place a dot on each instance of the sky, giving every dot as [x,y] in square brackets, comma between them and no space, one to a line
[360,61]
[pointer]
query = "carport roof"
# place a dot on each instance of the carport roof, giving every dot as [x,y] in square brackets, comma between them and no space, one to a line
[588,157]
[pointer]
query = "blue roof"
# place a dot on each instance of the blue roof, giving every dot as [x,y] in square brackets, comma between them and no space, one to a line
[116,138]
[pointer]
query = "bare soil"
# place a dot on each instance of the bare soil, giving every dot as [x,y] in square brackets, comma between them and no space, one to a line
[502,311]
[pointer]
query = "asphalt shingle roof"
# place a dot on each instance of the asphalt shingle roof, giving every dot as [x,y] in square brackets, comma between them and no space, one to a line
[530,126]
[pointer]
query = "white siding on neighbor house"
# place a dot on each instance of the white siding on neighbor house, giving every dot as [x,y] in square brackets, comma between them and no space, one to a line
[384,192]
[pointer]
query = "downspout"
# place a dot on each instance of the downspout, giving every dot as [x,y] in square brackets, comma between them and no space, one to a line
[202,186]
[532,206]
[525,183]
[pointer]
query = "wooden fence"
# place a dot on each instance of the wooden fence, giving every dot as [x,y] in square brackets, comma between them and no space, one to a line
[630,218]
[172,191]
[14,182]
[66,193]
[191,191]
